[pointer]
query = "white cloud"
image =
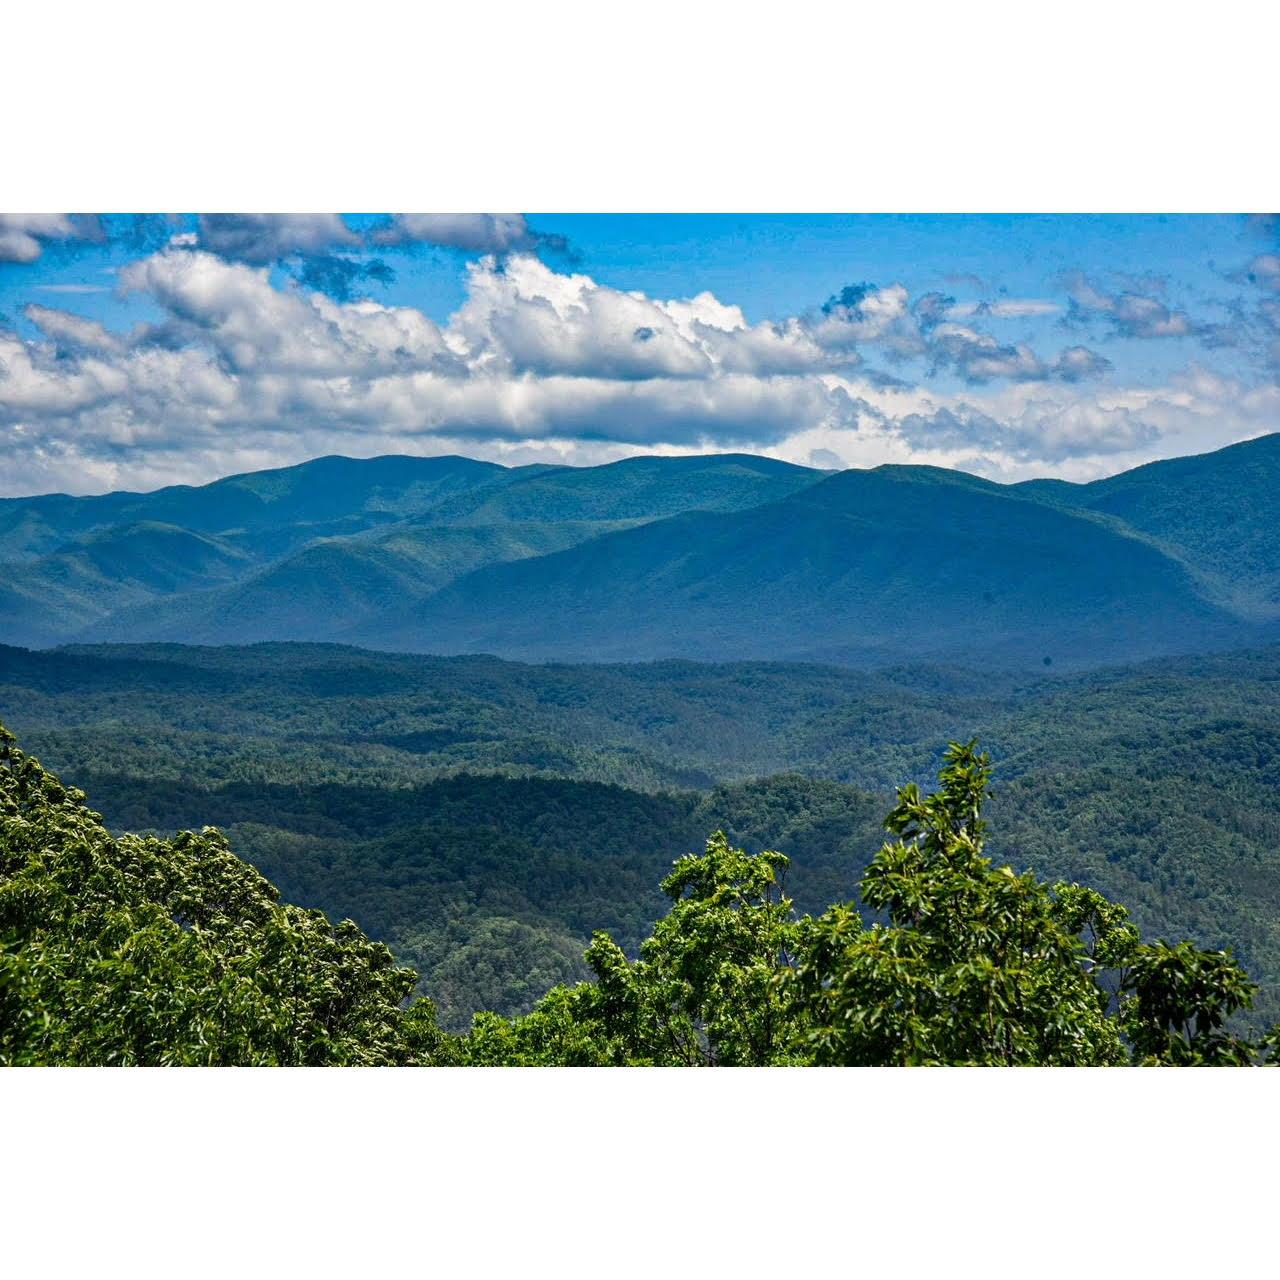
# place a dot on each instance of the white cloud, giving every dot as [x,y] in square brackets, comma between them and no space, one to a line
[473,232]
[254,327]
[1006,308]
[978,357]
[22,235]
[1132,314]
[241,373]
[71,330]
[1264,271]
[265,237]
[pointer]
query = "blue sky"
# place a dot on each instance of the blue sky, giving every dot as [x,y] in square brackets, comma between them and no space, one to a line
[137,351]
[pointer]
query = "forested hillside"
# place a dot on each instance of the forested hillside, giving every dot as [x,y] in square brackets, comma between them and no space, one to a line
[482,817]
[129,950]
[329,548]
[723,558]
[865,568]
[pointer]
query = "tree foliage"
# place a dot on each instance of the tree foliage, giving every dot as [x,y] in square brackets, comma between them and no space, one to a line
[396,790]
[141,950]
[963,963]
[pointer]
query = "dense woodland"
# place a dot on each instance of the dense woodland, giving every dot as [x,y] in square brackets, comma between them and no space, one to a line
[483,818]
[716,557]
[142,950]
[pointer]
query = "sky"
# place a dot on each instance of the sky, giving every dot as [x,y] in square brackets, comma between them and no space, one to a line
[143,350]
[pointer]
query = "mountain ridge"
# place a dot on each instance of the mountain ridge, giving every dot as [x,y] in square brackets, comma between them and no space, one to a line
[713,556]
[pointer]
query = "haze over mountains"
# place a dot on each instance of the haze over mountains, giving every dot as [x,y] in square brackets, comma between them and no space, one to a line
[715,557]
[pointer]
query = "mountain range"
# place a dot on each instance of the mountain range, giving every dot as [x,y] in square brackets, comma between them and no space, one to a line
[712,557]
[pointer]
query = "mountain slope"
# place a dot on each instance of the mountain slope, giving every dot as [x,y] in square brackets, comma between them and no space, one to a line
[351,778]
[720,556]
[58,594]
[641,488]
[339,587]
[328,549]
[864,567]
[323,496]
[1218,512]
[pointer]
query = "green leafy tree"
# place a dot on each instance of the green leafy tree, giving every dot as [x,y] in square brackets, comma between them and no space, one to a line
[974,965]
[144,951]
[964,963]
[980,965]
[140,950]
[1177,1003]
[705,990]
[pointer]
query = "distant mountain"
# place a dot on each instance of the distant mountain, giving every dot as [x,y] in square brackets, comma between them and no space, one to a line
[644,488]
[321,549]
[865,567]
[723,556]
[1218,512]
[341,546]
[314,499]
[337,587]
[44,600]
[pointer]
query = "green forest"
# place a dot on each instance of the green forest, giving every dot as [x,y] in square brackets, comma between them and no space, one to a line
[483,818]
[137,949]
[486,819]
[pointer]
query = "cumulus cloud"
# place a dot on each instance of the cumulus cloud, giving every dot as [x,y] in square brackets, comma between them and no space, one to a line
[525,317]
[473,232]
[70,331]
[239,372]
[23,236]
[929,327]
[863,313]
[978,357]
[1043,431]
[237,363]
[1264,271]
[1130,314]
[261,238]
[1078,363]
[253,327]
[1254,326]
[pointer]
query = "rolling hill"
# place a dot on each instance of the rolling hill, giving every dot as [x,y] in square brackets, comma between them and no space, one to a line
[1218,512]
[483,816]
[866,567]
[717,557]
[333,546]
[44,600]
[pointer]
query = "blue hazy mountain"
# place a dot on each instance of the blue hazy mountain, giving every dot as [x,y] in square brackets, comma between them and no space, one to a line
[724,556]
[1218,512]
[335,585]
[864,567]
[317,550]
[47,599]
[324,496]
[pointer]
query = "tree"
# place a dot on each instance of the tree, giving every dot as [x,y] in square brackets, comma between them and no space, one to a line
[144,951]
[704,991]
[974,965]
[963,963]
[139,950]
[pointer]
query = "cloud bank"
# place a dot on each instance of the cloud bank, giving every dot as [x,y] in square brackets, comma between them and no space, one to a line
[240,372]
[23,236]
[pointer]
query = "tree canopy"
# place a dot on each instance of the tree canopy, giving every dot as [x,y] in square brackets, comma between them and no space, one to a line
[963,962]
[141,950]
[155,952]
